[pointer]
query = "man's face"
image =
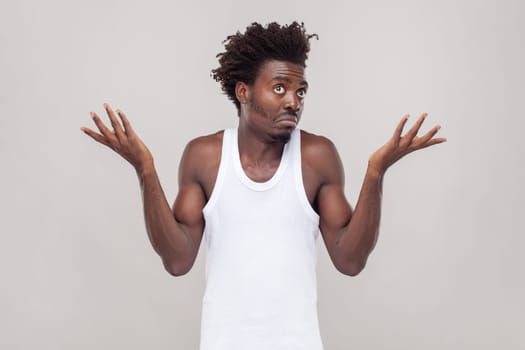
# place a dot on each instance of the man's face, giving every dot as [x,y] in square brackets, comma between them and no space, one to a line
[275,100]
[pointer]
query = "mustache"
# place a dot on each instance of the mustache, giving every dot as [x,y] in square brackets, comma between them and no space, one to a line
[288,114]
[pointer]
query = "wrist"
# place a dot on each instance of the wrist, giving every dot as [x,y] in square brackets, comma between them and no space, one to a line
[146,169]
[375,171]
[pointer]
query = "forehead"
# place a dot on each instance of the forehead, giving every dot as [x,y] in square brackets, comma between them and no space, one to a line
[273,69]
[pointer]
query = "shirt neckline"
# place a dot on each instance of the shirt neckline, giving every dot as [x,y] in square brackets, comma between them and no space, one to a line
[259,186]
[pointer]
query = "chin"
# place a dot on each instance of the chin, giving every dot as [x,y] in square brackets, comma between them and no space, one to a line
[282,137]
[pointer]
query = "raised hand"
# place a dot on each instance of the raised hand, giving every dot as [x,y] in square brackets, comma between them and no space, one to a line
[122,139]
[398,146]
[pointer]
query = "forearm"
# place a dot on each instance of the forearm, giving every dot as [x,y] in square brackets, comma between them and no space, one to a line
[166,235]
[359,237]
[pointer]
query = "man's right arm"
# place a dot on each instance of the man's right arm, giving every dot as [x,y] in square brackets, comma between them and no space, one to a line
[176,235]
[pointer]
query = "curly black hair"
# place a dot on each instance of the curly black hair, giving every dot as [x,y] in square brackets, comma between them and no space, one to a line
[246,53]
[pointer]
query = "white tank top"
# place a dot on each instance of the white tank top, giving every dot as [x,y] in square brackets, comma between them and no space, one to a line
[261,287]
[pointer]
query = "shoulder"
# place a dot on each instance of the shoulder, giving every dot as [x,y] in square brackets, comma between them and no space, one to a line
[319,153]
[203,149]
[202,155]
[316,145]
[317,149]
[205,146]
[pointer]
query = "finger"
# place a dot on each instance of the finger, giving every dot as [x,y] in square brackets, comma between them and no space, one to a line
[97,137]
[434,142]
[127,126]
[400,126]
[101,126]
[429,134]
[115,123]
[414,129]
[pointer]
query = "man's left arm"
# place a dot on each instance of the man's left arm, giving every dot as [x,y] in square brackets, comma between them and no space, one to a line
[351,236]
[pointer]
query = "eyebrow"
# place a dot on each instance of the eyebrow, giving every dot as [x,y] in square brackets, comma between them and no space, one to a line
[288,80]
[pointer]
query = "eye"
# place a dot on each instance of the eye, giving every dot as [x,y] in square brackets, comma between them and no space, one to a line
[301,93]
[278,89]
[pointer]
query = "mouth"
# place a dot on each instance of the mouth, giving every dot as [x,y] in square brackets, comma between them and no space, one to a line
[288,120]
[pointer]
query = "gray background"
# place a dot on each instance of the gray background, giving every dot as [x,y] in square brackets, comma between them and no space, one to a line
[77,268]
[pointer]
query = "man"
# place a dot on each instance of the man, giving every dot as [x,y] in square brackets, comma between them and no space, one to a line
[261,193]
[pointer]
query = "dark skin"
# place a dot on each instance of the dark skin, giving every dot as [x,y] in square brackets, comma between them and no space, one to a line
[270,109]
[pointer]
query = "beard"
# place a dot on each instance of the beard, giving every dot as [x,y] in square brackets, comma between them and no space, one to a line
[257,108]
[282,137]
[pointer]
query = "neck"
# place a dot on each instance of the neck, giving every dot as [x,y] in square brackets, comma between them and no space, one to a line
[256,147]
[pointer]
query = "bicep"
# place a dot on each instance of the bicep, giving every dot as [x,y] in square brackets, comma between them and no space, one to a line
[190,200]
[335,212]
[187,208]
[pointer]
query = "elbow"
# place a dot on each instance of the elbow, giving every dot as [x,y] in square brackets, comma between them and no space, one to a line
[175,269]
[353,268]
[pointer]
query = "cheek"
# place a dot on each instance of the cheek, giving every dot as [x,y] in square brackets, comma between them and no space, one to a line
[266,104]
[257,108]
[270,102]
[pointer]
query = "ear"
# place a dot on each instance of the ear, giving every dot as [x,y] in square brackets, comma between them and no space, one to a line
[242,92]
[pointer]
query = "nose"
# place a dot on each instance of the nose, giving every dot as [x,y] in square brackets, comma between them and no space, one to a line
[292,102]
